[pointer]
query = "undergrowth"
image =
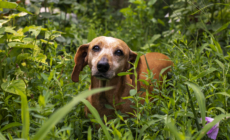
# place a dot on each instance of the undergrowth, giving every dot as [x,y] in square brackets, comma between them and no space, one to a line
[38,100]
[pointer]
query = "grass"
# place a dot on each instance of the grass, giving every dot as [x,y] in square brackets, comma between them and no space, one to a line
[38,100]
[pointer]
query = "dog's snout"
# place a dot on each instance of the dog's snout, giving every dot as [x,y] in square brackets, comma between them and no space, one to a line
[103,65]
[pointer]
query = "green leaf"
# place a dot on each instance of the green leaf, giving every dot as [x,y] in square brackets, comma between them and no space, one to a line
[97,117]
[41,101]
[163,70]
[132,92]
[144,127]
[202,8]
[137,60]
[19,8]
[108,106]
[20,45]
[14,86]
[91,34]
[175,131]
[223,93]
[34,29]
[8,5]
[10,30]
[124,73]
[151,2]
[161,22]
[41,58]
[200,99]
[60,113]
[1,23]
[220,64]
[222,28]
[218,108]
[154,38]
[14,124]
[89,137]
[23,56]
[18,87]
[147,64]
[21,14]
[207,127]
[216,46]
[203,73]
[144,81]
[127,11]
[2,137]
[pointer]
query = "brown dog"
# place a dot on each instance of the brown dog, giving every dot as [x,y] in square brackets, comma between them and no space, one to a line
[106,57]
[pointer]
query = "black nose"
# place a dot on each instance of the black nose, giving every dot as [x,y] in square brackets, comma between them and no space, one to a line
[103,65]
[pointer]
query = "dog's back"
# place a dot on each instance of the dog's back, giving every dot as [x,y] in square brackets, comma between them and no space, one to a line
[156,62]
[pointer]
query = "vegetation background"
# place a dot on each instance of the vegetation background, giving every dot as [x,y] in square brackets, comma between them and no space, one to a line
[38,40]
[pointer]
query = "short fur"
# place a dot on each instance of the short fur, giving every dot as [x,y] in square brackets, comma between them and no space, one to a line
[108,45]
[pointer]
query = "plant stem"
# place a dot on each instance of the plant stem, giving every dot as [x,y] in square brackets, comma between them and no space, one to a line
[193,110]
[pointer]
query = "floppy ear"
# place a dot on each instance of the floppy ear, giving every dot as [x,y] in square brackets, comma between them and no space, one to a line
[132,59]
[81,60]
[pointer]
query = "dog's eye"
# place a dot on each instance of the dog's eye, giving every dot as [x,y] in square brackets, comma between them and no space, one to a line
[118,52]
[96,48]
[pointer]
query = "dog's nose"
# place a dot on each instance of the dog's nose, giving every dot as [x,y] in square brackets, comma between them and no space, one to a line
[103,65]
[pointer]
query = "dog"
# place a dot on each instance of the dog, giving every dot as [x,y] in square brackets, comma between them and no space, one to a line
[108,56]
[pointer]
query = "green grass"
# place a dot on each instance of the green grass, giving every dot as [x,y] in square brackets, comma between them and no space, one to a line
[38,99]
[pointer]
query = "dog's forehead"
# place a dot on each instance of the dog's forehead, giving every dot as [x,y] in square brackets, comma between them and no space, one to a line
[108,42]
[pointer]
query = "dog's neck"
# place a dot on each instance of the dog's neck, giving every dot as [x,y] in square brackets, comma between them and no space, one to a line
[119,84]
[102,83]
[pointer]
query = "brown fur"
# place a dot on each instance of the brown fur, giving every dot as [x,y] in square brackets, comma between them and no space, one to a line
[156,62]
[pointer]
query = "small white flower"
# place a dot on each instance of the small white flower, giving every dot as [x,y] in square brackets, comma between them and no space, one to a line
[167,15]
[170,21]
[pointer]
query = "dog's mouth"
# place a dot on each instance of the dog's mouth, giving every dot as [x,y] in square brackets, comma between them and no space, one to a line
[101,76]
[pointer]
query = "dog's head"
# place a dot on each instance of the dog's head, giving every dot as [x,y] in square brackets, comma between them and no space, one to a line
[106,57]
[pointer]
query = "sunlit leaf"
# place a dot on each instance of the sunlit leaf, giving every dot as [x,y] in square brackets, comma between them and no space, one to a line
[18,87]
[8,5]
[20,45]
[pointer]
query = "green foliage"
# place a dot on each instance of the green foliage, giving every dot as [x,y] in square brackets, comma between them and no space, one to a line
[38,100]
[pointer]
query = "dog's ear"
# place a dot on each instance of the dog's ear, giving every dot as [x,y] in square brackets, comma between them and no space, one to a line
[132,59]
[81,60]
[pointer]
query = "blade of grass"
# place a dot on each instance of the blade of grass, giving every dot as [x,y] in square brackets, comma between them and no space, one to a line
[60,113]
[97,117]
[2,137]
[14,124]
[89,137]
[25,116]
[200,99]
[193,110]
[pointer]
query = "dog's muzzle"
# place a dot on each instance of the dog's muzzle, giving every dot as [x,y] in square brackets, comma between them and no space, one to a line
[103,65]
